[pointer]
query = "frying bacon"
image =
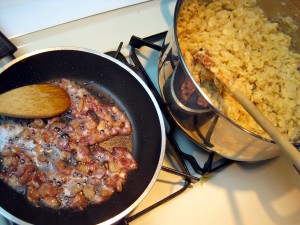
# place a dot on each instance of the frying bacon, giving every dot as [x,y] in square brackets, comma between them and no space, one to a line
[59,162]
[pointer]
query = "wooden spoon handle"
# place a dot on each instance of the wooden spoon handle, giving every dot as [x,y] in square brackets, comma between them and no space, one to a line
[290,150]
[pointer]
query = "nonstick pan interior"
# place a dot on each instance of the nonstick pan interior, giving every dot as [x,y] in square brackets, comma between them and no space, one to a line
[103,75]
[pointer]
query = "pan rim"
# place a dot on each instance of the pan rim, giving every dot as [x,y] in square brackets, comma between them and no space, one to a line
[125,212]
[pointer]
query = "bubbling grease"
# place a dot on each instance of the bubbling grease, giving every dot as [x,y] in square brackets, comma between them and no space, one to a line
[60,162]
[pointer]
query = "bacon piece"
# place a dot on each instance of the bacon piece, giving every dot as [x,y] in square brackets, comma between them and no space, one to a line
[33,194]
[124,159]
[220,78]
[47,190]
[89,192]
[204,59]
[62,167]
[58,162]
[25,173]
[79,201]
[51,201]
[105,193]
[37,123]
[40,177]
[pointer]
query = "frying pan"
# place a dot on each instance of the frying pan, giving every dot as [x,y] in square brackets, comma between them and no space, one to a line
[103,74]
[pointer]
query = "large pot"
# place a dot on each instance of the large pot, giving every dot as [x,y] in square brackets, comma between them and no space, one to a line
[208,126]
[106,75]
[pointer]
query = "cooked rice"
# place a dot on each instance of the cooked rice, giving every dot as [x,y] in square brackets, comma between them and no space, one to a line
[249,49]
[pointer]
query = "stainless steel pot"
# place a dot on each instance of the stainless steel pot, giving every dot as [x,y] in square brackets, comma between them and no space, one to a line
[205,124]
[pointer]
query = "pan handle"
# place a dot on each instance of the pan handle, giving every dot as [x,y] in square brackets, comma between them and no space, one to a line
[7,49]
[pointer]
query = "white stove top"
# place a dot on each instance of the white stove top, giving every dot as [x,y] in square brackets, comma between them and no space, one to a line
[23,17]
[266,193]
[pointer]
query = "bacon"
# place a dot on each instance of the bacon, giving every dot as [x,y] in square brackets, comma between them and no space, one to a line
[37,123]
[40,177]
[26,173]
[115,181]
[89,192]
[204,59]
[63,143]
[62,167]
[10,162]
[79,201]
[47,190]
[59,162]
[49,136]
[102,155]
[33,194]
[51,201]
[124,159]
[104,194]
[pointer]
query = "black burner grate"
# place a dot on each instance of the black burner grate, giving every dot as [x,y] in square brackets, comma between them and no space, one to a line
[211,164]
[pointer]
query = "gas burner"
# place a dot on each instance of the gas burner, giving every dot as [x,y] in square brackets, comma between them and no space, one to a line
[213,161]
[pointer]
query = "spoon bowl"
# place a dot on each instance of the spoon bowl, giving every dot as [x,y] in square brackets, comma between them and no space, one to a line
[34,101]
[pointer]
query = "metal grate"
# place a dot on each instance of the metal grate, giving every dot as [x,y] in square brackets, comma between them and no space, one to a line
[211,165]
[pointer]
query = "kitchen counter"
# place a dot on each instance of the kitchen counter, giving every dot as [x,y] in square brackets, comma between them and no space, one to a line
[262,193]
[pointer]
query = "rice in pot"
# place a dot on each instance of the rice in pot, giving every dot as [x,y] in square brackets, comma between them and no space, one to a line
[233,37]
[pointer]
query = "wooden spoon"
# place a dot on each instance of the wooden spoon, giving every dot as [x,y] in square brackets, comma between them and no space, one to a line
[34,101]
[290,150]
[229,84]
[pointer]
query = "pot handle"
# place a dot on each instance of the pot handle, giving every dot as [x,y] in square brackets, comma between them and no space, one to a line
[7,48]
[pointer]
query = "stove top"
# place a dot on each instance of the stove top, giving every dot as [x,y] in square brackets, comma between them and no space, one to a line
[239,193]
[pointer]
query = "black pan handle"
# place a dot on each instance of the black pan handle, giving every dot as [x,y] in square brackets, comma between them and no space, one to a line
[7,48]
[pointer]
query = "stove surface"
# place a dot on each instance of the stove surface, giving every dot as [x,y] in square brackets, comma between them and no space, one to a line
[242,193]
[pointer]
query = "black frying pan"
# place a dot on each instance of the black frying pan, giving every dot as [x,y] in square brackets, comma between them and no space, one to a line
[104,74]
